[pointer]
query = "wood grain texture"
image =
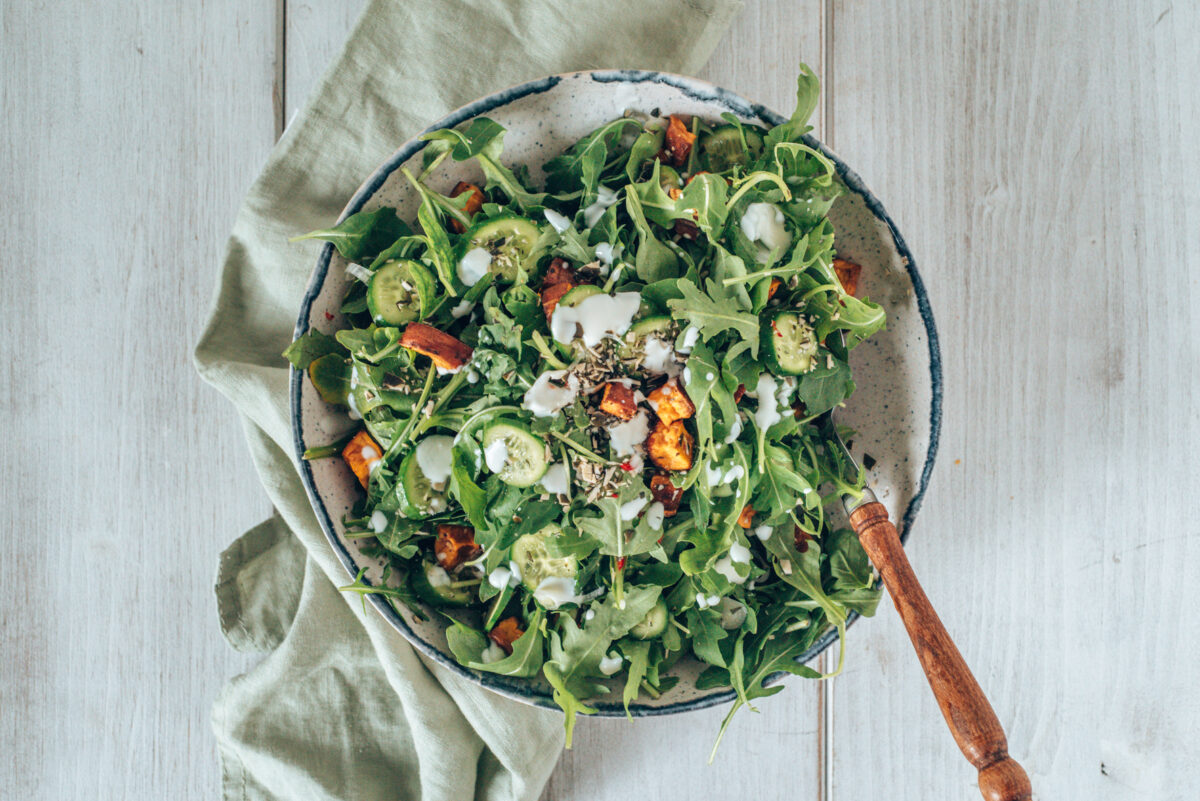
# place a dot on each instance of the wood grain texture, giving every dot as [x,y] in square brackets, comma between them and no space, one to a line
[1041,162]
[130,132]
[968,714]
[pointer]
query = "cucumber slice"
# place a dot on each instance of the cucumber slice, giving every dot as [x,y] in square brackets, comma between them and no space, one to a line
[634,344]
[789,344]
[510,240]
[432,585]
[330,376]
[535,562]
[414,491]
[668,178]
[722,149]
[577,295]
[400,292]
[522,452]
[653,623]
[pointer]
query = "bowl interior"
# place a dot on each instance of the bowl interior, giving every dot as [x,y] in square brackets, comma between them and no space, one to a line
[895,411]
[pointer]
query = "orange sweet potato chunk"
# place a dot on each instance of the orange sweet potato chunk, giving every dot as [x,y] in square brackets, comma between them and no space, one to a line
[506,632]
[445,351]
[670,446]
[671,403]
[847,273]
[360,453]
[619,400]
[455,545]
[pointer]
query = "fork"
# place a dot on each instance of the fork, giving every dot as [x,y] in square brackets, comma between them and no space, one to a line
[970,717]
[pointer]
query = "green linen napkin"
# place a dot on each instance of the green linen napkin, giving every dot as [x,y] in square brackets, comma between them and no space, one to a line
[342,706]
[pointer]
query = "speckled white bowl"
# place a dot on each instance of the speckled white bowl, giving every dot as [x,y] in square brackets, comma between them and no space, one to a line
[896,410]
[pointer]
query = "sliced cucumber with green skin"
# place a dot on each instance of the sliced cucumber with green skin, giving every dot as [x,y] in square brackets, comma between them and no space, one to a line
[668,178]
[400,292]
[788,344]
[508,239]
[416,495]
[723,149]
[653,623]
[531,557]
[634,341]
[524,453]
[330,376]
[577,295]
[432,584]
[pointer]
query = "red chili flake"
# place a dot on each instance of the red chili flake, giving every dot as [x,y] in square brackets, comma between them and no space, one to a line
[328,316]
[613,495]
[621,563]
[627,467]
[775,328]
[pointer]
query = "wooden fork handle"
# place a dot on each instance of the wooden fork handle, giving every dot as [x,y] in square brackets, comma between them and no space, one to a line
[967,711]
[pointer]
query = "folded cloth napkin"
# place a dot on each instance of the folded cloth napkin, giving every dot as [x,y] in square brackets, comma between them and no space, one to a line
[342,706]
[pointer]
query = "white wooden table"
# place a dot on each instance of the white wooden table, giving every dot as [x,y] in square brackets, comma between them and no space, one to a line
[1041,160]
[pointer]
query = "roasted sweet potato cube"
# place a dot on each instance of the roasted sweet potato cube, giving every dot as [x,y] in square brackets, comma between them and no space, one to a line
[445,351]
[746,518]
[455,545]
[670,446]
[362,453]
[665,493]
[847,273]
[671,403]
[506,632]
[474,202]
[773,288]
[679,141]
[618,400]
[560,279]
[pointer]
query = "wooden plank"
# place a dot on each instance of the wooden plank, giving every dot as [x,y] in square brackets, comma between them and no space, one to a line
[130,133]
[1040,161]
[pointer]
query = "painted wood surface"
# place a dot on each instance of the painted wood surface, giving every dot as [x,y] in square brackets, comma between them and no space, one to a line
[1041,162]
[128,133]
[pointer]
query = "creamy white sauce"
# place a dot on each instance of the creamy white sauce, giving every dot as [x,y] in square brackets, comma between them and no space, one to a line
[733,614]
[733,474]
[589,614]
[496,456]
[763,532]
[701,600]
[713,473]
[595,317]
[605,197]
[493,653]
[690,335]
[625,438]
[604,252]
[433,457]
[654,515]
[768,408]
[438,577]
[632,509]
[556,220]
[660,358]
[378,521]
[462,309]
[446,370]
[545,398]
[764,223]
[354,413]
[555,480]
[611,663]
[516,570]
[555,591]
[735,430]
[472,377]
[726,568]
[739,553]
[473,266]
[499,577]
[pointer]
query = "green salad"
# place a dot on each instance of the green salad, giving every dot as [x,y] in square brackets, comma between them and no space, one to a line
[592,413]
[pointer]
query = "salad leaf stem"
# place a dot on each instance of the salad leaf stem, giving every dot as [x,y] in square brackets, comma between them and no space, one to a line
[581,450]
[745,184]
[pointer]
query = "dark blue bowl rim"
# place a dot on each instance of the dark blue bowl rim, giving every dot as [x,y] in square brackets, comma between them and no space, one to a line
[521,689]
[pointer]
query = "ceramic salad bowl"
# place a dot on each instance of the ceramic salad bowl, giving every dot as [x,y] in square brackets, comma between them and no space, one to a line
[895,412]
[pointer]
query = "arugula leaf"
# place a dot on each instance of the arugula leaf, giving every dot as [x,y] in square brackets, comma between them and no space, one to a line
[637,654]
[808,92]
[484,141]
[703,200]
[780,484]
[713,313]
[582,164]
[362,235]
[574,665]
[825,386]
[468,644]
[654,260]
[644,148]
[310,346]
